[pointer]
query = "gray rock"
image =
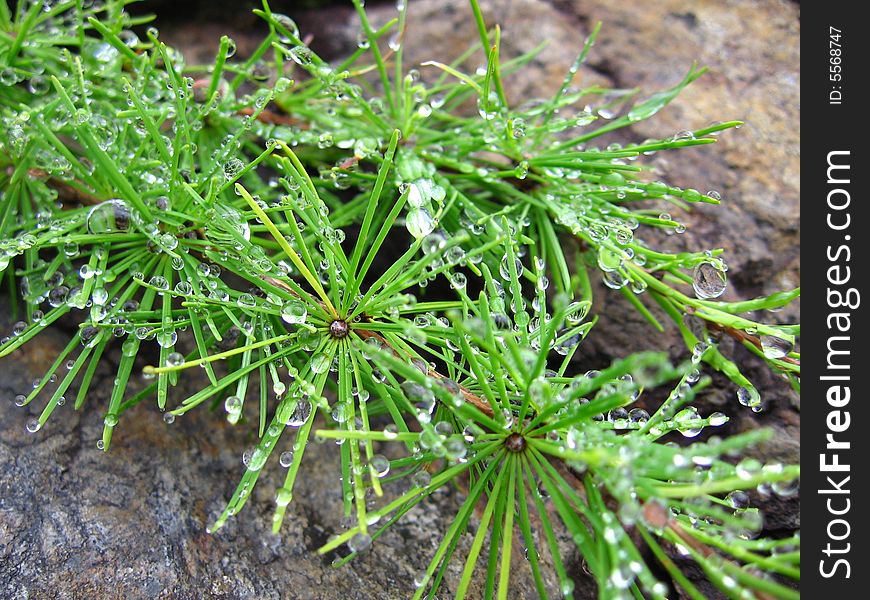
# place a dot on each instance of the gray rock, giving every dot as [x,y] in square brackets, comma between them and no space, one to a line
[132,522]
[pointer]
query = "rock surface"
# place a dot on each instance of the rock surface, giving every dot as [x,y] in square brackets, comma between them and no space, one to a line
[131,523]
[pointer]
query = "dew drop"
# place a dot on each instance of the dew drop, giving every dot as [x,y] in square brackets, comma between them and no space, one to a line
[100,296]
[173,359]
[420,579]
[233,405]
[287,24]
[458,281]
[167,337]
[786,489]
[362,40]
[300,414]
[246,301]
[359,542]
[748,397]
[254,459]
[748,468]
[638,415]
[775,347]
[421,478]
[88,334]
[422,398]
[518,128]
[609,260]
[320,362]
[232,168]
[341,412]
[685,416]
[504,268]
[709,281]
[38,85]
[576,312]
[691,195]
[419,222]
[612,179]
[159,282]
[301,55]
[380,464]
[621,578]
[57,296]
[433,243]
[129,347]
[615,280]
[718,419]
[294,311]
[455,448]
[110,216]
[657,189]
[284,496]
[737,499]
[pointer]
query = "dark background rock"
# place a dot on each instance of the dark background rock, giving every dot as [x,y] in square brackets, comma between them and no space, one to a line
[131,523]
[77,522]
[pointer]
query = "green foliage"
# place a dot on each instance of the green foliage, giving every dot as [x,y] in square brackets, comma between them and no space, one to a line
[154,201]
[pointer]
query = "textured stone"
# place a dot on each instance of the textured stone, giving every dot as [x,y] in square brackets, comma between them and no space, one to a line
[131,523]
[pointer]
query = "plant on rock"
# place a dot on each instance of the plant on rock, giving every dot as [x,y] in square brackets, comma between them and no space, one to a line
[357,256]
